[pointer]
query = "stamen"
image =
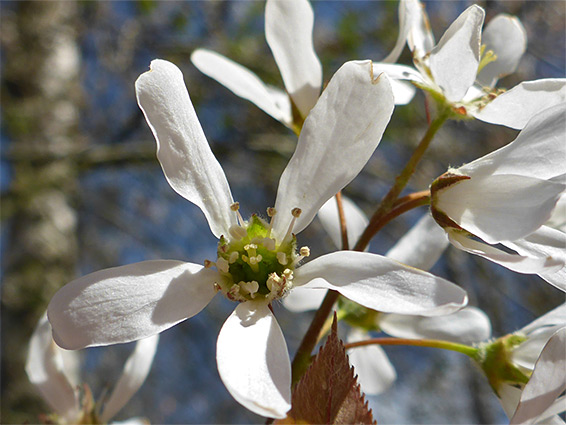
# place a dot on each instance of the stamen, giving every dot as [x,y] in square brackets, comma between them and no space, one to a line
[273,282]
[271,211]
[237,232]
[296,212]
[303,252]
[249,287]
[222,265]
[208,264]
[236,207]
[233,257]
[282,258]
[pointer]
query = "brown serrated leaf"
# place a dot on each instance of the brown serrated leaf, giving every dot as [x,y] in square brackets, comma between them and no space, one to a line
[328,393]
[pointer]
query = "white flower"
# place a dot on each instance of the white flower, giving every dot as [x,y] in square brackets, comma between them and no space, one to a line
[455,72]
[421,247]
[506,196]
[542,356]
[55,373]
[288,31]
[256,260]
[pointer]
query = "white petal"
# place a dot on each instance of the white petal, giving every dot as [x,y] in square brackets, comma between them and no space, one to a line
[243,83]
[337,139]
[45,369]
[500,207]
[422,246]
[185,156]
[375,372]
[554,317]
[467,326]
[404,28]
[420,38]
[517,263]
[454,60]
[545,242]
[135,371]
[538,151]
[356,221]
[128,303]
[527,353]
[558,218]
[398,72]
[507,38]
[253,360]
[547,382]
[288,31]
[382,284]
[517,106]
[304,299]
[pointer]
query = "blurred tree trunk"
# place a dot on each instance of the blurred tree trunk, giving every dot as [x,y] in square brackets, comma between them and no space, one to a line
[40,102]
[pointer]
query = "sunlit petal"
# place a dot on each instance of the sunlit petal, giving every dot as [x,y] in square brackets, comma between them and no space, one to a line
[382,284]
[243,83]
[127,303]
[517,106]
[356,221]
[288,31]
[454,60]
[185,156]
[338,138]
[253,361]
[304,299]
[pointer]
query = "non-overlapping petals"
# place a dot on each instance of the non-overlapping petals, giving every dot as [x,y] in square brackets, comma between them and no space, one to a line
[182,149]
[135,371]
[253,361]
[337,139]
[128,303]
[467,326]
[45,368]
[382,284]
[454,60]
[288,31]
[244,83]
[517,106]
[546,383]
[505,36]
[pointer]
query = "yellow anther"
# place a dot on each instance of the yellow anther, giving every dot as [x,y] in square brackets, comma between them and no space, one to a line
[271,211]
[222,265]
[305,251]
[282,258]
[296,212]
[233,257]
[235,206]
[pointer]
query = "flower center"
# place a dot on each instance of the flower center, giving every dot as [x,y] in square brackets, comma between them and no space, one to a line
[252,264]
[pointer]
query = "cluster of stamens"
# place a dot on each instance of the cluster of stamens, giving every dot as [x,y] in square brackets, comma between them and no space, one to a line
[252,264]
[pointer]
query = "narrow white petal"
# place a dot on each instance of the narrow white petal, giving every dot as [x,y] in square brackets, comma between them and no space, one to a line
[375,372]
[128,303]
[243,83]
[337,139]
[304,299]
[554,317]
[382,284]
[45,369]
[405,21]
[422,246]
[356,221]
[135,371]
[547,382]
[253,360]
[500,207]
[507,38]
[538,151]
[185,156]
[288,31]
[558,218]
[545,242]
[517,106]
[517,263]
[550,415]
[403,91]
[420,38]
[527,353]
[467,326]
[454,60]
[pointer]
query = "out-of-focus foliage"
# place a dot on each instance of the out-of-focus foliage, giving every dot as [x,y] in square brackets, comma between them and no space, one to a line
[82,190]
